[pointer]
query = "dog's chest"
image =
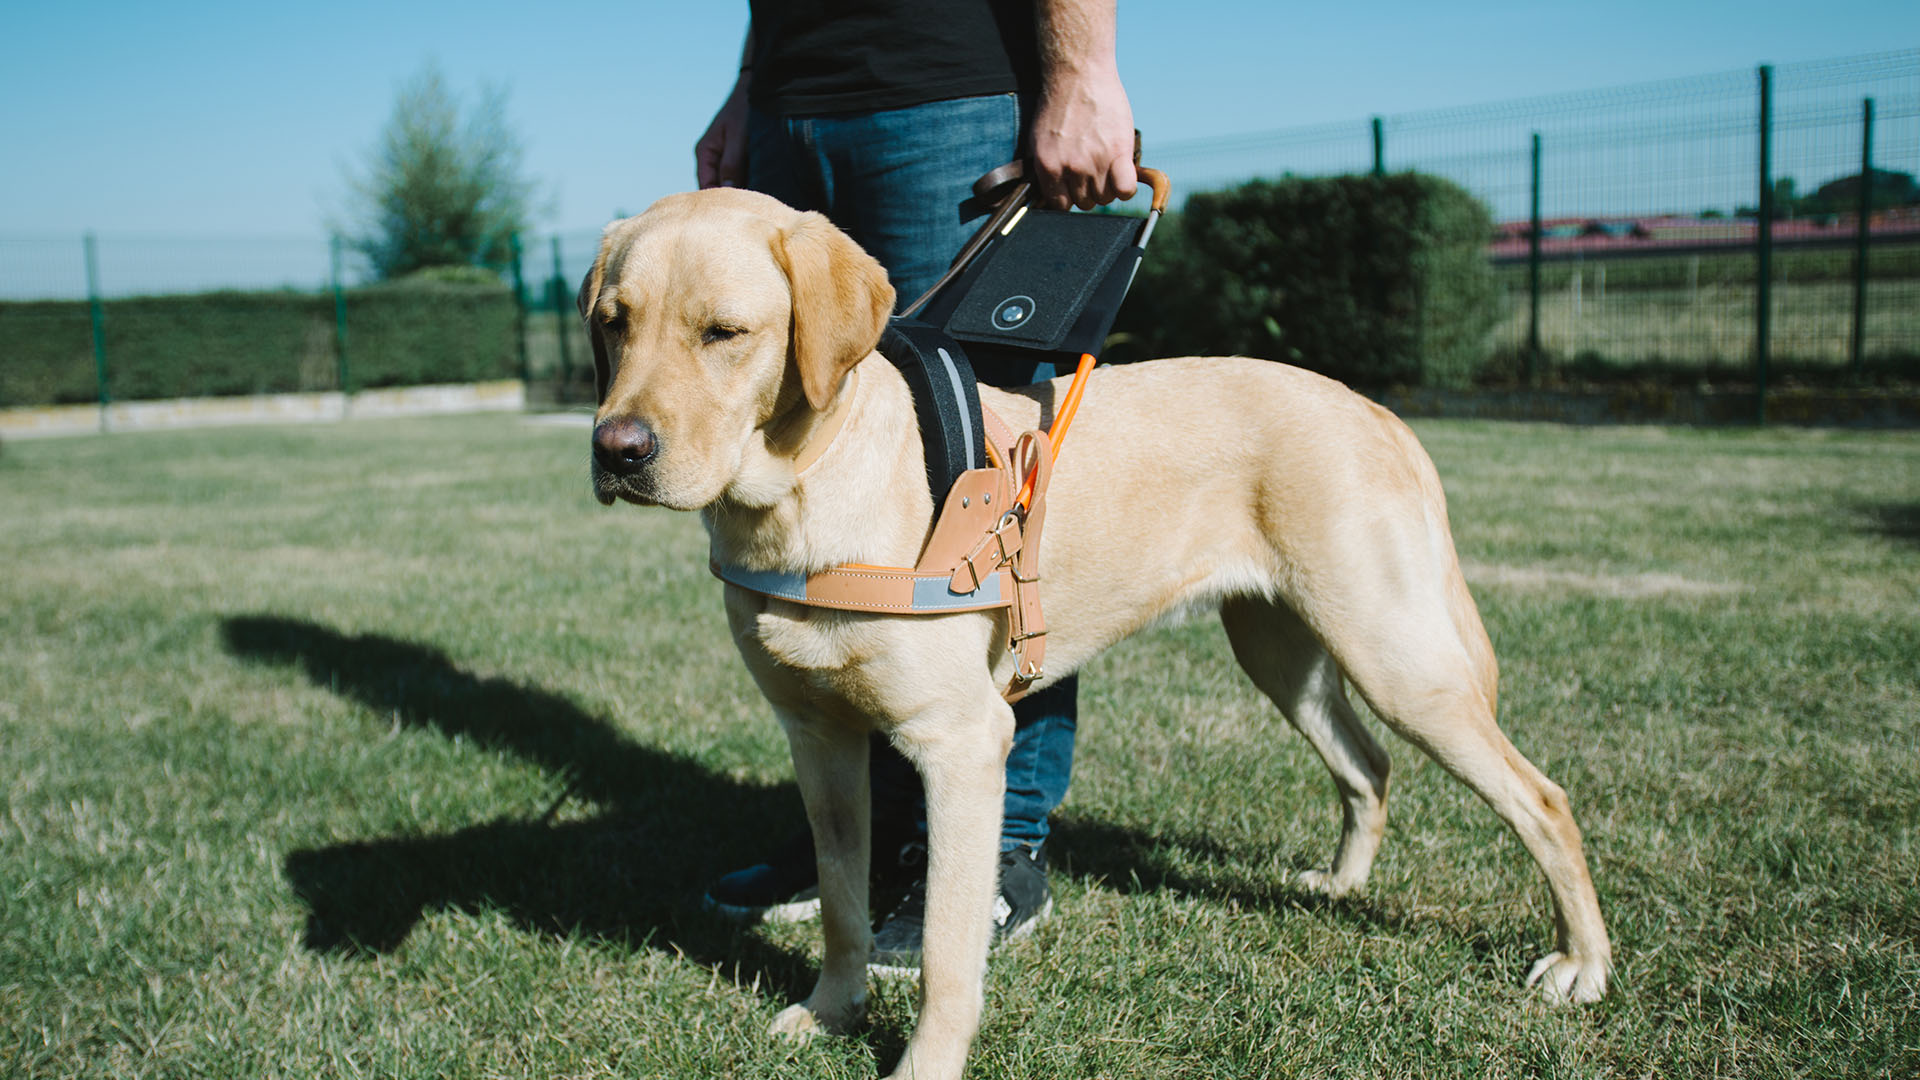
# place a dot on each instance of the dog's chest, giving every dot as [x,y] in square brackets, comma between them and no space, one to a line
[807,656]
[880,668]
[813,639]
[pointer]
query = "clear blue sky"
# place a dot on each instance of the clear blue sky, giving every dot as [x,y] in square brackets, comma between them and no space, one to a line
[237,118]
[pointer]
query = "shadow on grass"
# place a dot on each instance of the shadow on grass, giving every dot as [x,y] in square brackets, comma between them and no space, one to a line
[1898,521]
[632,876]
[1130,861]
[1127,860]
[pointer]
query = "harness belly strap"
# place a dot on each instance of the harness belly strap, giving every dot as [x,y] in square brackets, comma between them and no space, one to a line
[882,589]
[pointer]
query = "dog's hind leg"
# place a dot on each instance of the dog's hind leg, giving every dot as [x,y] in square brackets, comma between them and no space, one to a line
[830,761]
[1290,666]
[1411,664]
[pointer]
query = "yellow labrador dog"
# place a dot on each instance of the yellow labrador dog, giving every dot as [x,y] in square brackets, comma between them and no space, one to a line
[734,342]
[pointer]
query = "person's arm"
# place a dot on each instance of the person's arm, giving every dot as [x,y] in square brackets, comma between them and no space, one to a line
[720,157]
[1083,128]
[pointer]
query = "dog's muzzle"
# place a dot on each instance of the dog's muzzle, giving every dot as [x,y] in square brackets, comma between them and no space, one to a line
[623,451]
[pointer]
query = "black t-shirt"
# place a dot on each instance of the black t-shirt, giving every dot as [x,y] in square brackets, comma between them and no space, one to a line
[826,56]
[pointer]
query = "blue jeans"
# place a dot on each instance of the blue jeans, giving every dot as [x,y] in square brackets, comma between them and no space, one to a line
[895,180]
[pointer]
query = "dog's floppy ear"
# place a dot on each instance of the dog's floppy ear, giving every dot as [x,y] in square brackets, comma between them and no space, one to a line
[841,300]
[589,292]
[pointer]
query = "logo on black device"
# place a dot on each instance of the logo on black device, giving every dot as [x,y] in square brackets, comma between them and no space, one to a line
[1012,313]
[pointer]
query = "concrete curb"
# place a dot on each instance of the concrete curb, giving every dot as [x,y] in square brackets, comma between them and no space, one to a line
[34,422]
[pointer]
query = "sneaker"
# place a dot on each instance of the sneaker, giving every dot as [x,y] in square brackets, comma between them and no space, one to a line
[896,945]
[1022,903]
[786,888]
[1025,901]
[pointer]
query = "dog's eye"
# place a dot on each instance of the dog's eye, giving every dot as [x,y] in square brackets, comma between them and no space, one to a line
[718,332]
[614,324]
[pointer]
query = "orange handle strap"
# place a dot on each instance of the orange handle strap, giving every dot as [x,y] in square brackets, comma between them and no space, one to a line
[1062,420]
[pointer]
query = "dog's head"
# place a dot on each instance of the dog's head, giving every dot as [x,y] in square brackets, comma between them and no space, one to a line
[713,316]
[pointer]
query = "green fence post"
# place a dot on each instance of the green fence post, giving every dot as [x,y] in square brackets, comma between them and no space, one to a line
[557,288]
[1379,148]
[520,314]
[1533,271]
[340,329]
[98,316]
[1763,250]
[1862,230]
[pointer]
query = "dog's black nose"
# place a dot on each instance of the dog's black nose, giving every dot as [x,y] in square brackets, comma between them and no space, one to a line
[624,446]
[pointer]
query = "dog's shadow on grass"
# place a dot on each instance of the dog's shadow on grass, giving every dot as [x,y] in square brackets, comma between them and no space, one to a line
[631,876]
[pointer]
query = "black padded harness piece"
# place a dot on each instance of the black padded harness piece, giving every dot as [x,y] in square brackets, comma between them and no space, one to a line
[945,397]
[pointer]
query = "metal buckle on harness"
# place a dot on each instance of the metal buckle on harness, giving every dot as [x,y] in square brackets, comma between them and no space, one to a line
[1002,555]
[1028,675]
[1009,520]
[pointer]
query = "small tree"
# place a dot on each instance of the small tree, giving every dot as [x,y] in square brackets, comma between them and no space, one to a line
[440,189]
[1888,189]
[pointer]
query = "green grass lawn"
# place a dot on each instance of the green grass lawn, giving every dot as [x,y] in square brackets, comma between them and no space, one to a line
[1708,333]
[380,750]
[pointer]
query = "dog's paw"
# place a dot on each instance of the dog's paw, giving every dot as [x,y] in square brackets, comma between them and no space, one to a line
[802,1022]
[797,1023]
[1324,883]
[1562,979]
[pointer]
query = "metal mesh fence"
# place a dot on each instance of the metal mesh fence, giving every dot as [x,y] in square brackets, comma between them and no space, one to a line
[1628,242]
[558,356]
[1647,199]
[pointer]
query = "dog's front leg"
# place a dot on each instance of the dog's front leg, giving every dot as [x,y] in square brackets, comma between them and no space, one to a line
[962,758]
[830,761]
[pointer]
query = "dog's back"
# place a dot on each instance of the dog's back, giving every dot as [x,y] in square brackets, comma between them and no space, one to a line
[1185,482]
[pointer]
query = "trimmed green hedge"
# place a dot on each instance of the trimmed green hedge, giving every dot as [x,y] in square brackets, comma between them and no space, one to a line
[228,343]
[1376,281]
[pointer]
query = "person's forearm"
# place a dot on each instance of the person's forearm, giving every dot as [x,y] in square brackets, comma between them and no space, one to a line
[1082,133]
[1077,37]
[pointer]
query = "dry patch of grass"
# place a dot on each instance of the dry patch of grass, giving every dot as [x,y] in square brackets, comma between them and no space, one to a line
[1621,586]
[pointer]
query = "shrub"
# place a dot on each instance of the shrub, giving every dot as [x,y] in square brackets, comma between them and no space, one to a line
[1376,281]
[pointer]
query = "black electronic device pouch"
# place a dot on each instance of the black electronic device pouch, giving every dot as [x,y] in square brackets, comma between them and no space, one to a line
[1053,283]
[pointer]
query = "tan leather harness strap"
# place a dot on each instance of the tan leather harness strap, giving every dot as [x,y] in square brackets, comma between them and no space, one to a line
[880,589]
[1000,437]
[1027,627]
[984,554]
